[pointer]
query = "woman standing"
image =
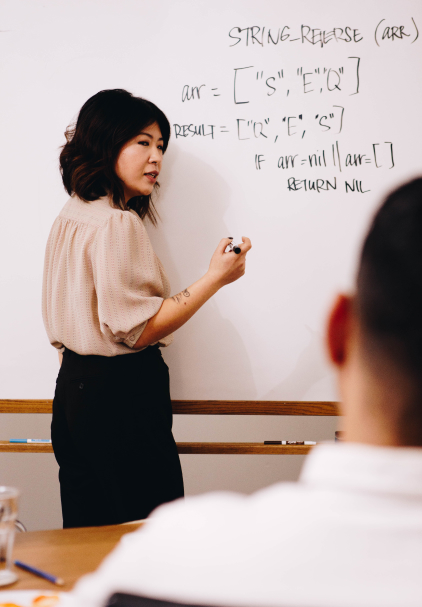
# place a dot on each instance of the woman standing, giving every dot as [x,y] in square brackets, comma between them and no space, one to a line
[107,307]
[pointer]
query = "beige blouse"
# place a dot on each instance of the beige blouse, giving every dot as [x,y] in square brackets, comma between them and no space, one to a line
[102,279]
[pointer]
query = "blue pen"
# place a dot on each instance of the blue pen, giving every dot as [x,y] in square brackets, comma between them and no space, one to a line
[47,576]
[30,440]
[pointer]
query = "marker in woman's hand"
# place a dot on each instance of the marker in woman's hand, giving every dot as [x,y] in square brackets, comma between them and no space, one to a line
[233,247]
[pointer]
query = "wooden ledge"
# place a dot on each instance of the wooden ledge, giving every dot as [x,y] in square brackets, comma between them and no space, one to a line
[242,448]
[26,406]
[254,407]
[184,448]
[204,407]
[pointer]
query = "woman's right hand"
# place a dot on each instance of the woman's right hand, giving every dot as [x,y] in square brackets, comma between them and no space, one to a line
[175,311]
[228,267]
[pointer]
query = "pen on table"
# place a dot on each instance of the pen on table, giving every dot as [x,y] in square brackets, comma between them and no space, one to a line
[30,440]
[289,442]
[47,576]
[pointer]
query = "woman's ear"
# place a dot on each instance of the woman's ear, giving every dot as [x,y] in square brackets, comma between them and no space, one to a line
[338,329]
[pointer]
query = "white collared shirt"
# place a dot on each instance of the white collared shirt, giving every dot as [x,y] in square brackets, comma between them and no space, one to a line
[348,534]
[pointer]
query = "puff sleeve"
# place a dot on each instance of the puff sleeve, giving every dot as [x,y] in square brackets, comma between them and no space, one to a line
[129,281]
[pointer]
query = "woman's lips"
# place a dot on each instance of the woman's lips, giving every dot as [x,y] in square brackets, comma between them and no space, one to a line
[152,177]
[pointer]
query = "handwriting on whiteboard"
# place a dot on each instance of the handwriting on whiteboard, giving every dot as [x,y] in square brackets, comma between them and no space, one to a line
[311,137]
[267,36]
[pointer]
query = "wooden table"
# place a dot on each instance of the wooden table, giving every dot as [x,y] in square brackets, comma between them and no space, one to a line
[66,553]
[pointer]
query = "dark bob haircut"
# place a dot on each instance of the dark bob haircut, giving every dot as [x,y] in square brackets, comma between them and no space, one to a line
[389,299]
[105,123]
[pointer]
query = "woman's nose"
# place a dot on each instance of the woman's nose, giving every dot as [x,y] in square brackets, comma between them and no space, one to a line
[155,156]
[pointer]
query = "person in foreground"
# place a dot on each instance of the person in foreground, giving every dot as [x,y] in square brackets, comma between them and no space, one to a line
[349,533]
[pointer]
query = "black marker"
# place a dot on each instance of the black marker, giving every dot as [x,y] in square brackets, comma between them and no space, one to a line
[289,442]
[233,247]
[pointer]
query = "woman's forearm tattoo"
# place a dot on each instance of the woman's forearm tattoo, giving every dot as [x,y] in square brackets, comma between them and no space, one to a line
[177,298]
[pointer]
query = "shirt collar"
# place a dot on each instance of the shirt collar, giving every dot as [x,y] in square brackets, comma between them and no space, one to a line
[367,468]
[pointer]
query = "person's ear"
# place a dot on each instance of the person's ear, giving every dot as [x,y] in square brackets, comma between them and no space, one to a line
[338,329]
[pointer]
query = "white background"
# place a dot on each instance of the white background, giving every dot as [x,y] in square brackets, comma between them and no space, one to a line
[261,338]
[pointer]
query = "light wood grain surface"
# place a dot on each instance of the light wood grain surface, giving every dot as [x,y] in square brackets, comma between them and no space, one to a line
[6,447]
[65,553]
[213,448]
[205,407]
[255,407]
[26,406]
[242,449]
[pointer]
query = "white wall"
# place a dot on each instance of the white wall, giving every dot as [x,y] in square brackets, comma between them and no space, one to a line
[261,338]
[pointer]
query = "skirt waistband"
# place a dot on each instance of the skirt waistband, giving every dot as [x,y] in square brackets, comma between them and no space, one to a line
[93,364]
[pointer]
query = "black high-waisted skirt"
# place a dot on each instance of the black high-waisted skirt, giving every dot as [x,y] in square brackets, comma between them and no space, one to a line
[112,437]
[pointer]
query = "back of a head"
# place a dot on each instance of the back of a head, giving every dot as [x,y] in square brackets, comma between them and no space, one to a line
[389,300]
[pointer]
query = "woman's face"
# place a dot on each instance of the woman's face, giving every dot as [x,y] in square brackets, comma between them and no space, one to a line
[139,162]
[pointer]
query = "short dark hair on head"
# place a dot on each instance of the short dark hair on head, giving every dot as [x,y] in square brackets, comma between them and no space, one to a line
[105,123]
[389,296]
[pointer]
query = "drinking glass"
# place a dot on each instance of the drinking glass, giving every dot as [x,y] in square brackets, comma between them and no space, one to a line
[8,515]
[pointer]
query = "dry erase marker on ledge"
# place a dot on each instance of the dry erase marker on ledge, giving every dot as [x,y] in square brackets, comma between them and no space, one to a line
[289,442]
[30,440]
[47,576]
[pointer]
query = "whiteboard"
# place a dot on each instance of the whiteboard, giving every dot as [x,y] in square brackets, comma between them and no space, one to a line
[289,123]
